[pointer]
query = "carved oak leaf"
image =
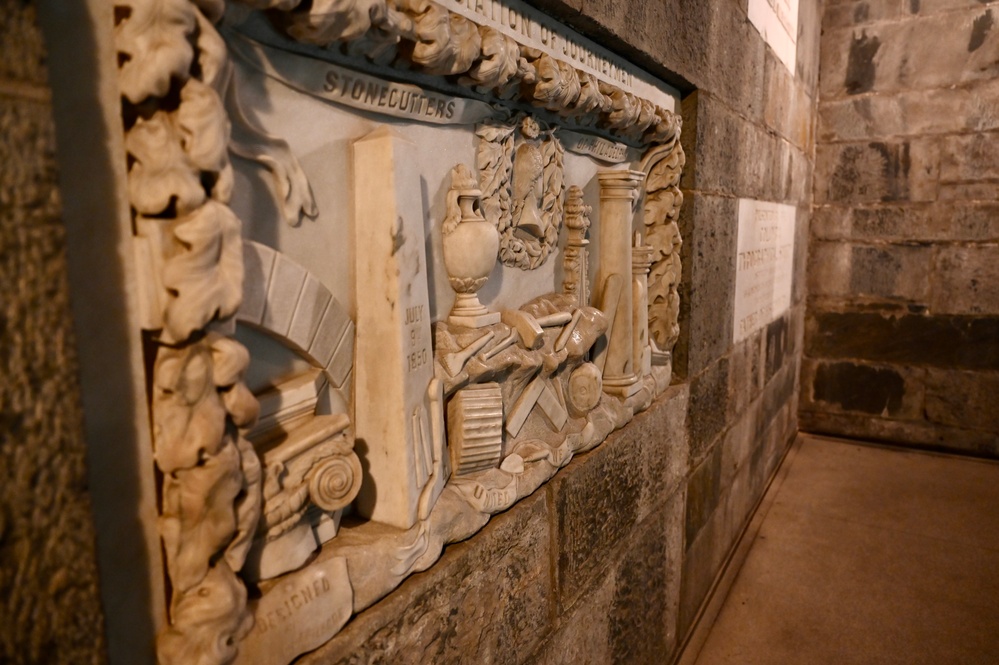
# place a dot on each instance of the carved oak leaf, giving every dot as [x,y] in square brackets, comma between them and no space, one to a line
[198,517]
[153,46]
[590,98]
[499,59]
[212,9]
[328,21]
[446,43]
[213,56]
[188,415]
[203,126]
[667,126]
[248,504]
[558,84]
[625,109]
[204,278]
[207,622]
[161,172]
[666,172]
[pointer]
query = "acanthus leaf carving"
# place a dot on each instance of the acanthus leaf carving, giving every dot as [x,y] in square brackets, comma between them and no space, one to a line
[198,517]
[208,621]
[153,46]
[663,200]
[499,61]
[204,277]
[327,21]
[188,415]
[199,119]
[161,173]
[444,43]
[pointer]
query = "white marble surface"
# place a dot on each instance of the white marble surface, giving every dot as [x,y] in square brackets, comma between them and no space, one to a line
[764,264]
[777,21]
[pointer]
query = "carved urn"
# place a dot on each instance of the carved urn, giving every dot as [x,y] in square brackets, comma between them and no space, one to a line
[471,245]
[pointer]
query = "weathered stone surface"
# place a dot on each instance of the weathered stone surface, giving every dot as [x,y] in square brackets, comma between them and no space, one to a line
[859,12]
[707,417]
[968,158]
[746,372]
[703,492]
[23,52]
[882,390]
[701,562]
[486,600]
[938,341]
[966,280]
[918,434]
[583,635]
[900,55]
[630,615]
[48,574]
[962,221]
[852,387]
[779,392]
[911,113]
[891,271]
[639,608]
[602,494]
[962,399]
[877,171]
[776,345]
[709,232]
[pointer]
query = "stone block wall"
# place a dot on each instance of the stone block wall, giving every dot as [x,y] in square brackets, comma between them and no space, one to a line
[49,597]
[902,340]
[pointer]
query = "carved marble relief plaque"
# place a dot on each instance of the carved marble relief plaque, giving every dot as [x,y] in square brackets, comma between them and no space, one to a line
[401,261]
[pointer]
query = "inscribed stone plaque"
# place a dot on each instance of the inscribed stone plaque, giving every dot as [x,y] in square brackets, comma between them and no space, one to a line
[777,21]
[301,612]
[763,265]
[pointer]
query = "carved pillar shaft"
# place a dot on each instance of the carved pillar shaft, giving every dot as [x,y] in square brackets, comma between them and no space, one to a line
[394,355]
[641,261]
[618,192]
[575,272]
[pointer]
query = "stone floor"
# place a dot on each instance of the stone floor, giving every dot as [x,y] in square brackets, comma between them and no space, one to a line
[862,554]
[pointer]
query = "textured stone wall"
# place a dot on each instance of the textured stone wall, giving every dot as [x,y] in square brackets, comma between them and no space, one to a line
[50,610]
[902,338]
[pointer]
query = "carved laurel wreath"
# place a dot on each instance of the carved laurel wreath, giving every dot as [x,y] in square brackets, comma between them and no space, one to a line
[495,163]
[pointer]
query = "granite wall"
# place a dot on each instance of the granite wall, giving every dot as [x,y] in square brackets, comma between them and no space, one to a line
[903,309]
[50,610]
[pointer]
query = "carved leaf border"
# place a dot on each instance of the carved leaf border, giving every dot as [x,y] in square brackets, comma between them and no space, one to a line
[172,70]
[179,181]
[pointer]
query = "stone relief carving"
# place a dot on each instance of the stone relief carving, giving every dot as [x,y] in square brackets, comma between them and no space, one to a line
[455,420]
[171,68]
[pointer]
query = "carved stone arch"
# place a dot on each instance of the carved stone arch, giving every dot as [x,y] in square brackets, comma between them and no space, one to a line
[284,300]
